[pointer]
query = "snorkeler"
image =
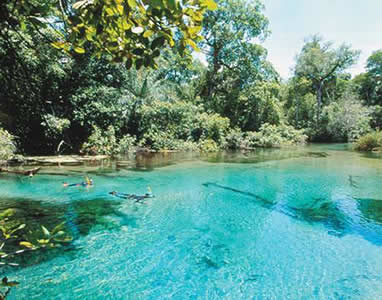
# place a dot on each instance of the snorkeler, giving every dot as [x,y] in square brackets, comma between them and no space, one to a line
[86,183]
[137,198]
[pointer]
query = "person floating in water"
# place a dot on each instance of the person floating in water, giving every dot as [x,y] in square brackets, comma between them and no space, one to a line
[86,183]
[137,198]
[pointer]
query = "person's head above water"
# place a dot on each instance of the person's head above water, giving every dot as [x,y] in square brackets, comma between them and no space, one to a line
[88,180]
[113,193]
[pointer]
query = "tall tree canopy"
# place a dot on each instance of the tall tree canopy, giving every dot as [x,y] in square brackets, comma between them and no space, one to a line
[230,34]
[320,63]
[374,74]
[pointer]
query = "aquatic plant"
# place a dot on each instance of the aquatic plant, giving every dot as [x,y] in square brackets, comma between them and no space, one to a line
[12,231]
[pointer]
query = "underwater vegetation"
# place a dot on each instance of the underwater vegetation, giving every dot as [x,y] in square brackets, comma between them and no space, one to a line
[326,212]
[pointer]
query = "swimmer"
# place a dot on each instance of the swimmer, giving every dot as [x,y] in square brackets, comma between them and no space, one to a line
[137,198]
[86,183]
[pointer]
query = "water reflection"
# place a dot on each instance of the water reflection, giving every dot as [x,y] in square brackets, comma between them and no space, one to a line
[149,161]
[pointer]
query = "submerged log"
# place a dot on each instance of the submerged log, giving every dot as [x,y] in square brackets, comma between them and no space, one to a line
[30,172]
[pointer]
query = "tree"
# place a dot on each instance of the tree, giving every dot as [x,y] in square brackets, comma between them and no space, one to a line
[374,77]
[237,62]
[229,34]
[131,31]
[347,118]
[320,63]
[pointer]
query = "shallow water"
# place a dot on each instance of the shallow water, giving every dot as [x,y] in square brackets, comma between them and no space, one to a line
[300,223]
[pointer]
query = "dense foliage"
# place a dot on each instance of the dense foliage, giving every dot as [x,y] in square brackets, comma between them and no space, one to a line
[70,101]
[7,145]
[370,142]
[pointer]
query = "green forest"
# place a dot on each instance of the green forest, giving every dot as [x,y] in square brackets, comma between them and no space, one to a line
[109,77]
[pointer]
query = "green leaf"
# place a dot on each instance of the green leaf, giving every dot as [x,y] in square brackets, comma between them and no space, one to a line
[79,4]
[43,241]
[156,12]
[148,33]
[58,227]
[171,4]
[45,231]
[79,50]
[138,51]
[147,61]
[158,42]
[18,228]
[211,5]
[109,11]
[192,44]
[23,26]
[129,63]
[156,53]
[138,63]
[27,244]
[40,22]
[194,30]
[132,3]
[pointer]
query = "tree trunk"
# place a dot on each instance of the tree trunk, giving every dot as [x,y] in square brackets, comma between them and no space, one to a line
[319,101]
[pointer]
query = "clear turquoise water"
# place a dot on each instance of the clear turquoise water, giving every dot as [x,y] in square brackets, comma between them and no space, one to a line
[296,224]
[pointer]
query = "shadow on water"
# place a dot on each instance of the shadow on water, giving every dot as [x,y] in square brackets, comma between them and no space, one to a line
[371,209]
[79,217]
[328,213]
[262,201]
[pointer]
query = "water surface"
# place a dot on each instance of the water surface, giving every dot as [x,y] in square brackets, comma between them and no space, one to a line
[301,223]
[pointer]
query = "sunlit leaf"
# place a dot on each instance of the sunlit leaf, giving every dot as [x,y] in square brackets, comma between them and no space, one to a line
[45,231]
[132,3]
[211,5]
[79,50]
[80,4]
[27,244]
[148,33]
[43,241]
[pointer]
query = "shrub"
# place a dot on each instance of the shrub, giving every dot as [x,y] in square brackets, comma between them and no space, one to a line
[234,140]
[160,140]
[275,136]
[175,118]
[210,126]
[54,128]
[179,125]
[7,145]
[106,143]
[208,145]
[369,141]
